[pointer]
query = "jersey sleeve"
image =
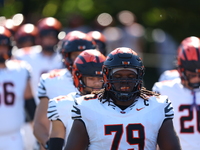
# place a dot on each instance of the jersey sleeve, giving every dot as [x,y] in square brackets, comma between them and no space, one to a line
[41,87]
[156,87]
[29,70]
[166,106]
[26,66]
[82,107]
[60,109]
[52,112]
[76,110]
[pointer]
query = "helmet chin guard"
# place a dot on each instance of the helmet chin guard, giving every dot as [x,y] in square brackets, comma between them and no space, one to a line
[123,96]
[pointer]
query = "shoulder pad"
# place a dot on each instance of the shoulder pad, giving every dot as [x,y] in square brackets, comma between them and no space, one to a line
[56,73]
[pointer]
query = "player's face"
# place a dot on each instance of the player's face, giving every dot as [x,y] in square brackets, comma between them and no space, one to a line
[92,83]
[73,55]
[4,49]
[25,44]
[3,54]
[193,77]
[48,41]
[122,80]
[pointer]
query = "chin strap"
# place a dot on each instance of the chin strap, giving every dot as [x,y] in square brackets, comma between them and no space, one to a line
[194,104]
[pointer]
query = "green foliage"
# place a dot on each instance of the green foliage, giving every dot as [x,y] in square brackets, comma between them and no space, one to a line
[179,18]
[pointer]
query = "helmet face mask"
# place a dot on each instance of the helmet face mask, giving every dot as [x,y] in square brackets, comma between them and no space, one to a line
[123,89]
[5,44]
[191,79]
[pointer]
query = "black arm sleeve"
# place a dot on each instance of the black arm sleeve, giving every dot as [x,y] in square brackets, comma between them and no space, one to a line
[56,143]
[30,107]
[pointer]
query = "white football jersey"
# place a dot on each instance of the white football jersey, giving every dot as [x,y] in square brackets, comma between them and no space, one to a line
[60,109]
[13,81]
[55,83]
[109,127]
[40,64]
[169,75]
[186,118]
[17,53]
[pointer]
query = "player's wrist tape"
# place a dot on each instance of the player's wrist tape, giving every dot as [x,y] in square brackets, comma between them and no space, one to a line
[56,143]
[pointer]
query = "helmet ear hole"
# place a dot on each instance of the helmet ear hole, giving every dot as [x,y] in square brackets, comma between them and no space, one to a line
[76,78]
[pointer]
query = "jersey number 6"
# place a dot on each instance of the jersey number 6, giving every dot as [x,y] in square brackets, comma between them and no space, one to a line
[7,96]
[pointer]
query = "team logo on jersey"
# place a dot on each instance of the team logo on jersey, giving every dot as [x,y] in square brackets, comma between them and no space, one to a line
[138,109]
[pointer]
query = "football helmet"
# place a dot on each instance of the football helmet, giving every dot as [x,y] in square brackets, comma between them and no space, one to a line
[49,26]
[73,42]
[100,40]
[126,58]
[87,63]
[188,58]
[5,36]
[9,24]
[26,32]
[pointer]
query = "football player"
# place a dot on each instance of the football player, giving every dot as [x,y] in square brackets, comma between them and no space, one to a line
[173,74]
[15,93]
[123,115]
[45,58]
[184,92]
[100,40]
[87,77]
[58,82]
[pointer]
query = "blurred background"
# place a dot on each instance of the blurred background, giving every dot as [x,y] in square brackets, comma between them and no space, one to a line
[153,28]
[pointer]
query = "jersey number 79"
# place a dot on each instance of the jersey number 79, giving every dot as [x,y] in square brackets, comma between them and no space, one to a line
[129,130]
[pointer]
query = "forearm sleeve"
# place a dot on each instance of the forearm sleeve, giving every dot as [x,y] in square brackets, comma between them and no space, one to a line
[30,107]
[56,143]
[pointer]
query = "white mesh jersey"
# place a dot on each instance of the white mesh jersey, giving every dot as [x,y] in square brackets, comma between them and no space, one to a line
[55,83]
[13,81]
[186,122]
[60,109]
[169,75]
[40,64]
[109,127]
